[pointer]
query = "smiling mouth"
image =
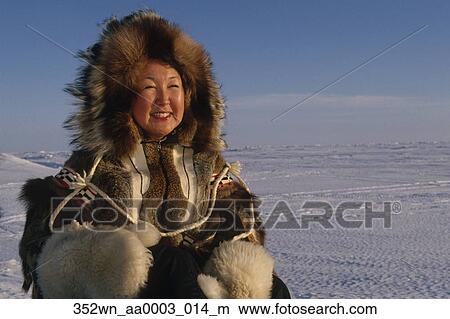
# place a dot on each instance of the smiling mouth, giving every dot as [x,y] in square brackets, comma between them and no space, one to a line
[161,115]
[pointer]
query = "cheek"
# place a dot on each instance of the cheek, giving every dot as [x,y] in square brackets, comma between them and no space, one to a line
[179,105]
[140,111]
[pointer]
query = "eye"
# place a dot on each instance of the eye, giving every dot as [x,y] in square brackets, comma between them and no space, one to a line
[149,87]
[174,86]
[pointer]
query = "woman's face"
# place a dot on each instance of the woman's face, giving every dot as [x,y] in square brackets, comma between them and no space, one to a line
[159,107]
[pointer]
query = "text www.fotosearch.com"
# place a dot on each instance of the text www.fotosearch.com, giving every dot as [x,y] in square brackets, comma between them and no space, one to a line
[289,309]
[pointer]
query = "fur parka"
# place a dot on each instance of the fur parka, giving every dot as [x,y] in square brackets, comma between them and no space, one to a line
[91,251]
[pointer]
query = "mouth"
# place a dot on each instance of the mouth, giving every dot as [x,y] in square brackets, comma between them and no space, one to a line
[161,115]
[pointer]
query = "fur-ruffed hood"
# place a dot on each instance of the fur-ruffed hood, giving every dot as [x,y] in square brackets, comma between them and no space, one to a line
[106,86]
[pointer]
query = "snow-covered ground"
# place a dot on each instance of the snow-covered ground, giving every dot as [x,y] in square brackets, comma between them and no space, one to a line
[409,259]
[13,172]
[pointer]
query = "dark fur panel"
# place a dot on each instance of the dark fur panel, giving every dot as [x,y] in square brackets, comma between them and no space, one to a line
[241,202]
[113,179]
[157,186]
[80,161]
[230,217]
[36,196]
[122,129]
[204,163]
[240,198]
[110,175]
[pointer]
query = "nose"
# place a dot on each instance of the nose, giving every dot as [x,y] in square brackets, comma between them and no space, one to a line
[162,97]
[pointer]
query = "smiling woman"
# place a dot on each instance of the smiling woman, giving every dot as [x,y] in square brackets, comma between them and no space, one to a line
[159,107]
[146,206]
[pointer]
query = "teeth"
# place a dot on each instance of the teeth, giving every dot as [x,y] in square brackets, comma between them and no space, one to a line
[161,114]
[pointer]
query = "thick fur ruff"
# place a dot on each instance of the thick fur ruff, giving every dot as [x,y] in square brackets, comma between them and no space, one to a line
[107,85]
[82,263]
[238,269]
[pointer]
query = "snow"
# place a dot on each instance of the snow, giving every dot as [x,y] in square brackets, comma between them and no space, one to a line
[409,259]
[13,172]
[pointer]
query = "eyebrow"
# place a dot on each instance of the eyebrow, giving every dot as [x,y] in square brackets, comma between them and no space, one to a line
[170,78]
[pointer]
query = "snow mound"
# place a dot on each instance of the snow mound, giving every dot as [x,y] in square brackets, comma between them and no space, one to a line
[14,169]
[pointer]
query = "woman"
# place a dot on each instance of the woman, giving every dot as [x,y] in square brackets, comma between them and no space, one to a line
[146,206]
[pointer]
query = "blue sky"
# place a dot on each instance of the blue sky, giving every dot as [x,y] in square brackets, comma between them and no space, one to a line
[267,56]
